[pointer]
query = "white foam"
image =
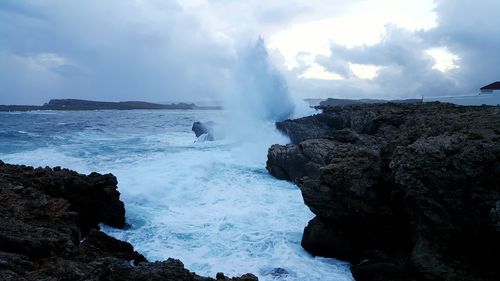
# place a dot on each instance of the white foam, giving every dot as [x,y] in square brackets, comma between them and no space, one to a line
[212,204]
[217,214]
[47,157]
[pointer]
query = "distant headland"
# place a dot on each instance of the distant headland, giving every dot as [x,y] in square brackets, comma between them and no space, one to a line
[76,104]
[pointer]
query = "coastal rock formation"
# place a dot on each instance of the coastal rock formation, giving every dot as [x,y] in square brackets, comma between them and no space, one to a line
[204,130]
[404,192]
[49,230]
[94,197]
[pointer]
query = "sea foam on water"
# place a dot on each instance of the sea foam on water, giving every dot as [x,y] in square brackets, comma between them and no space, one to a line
[202,203]
[211,204]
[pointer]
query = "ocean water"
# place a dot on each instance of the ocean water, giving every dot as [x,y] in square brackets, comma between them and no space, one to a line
[212,205]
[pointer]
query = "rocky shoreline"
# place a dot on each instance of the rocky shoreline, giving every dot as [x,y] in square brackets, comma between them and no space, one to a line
[49,230]
[402,191]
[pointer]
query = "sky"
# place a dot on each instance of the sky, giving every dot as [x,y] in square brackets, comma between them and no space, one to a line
[191,50]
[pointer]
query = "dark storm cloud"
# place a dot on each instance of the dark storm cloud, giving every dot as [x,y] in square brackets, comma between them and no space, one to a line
[470,29]
[167,51]
[129,49]
[99,50]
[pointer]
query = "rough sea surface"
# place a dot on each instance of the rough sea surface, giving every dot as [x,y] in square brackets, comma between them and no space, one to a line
[211,204]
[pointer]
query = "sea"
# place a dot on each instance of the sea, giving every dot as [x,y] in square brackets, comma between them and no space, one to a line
[211,204]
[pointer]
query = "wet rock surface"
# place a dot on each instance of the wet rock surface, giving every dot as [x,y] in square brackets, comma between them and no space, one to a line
[204,129]
[404,192]
[49,230]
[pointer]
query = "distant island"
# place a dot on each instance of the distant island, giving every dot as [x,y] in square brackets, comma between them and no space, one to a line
[76,104]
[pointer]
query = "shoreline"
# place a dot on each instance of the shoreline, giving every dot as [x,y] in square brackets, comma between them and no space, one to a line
[402,191]
[385,182]
[49,229]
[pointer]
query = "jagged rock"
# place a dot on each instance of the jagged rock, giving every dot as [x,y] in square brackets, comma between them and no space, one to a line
[94,197]
[278,273]
[244,277]
[316,126]
[48,230]
[204,129]
[290,162]
[404,192]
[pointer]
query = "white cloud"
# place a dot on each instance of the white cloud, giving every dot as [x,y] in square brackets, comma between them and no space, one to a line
[444,59]
[316,71]
[168,50]
[455,57]
[47,61]
[364,71]
[363,23]
[117,50]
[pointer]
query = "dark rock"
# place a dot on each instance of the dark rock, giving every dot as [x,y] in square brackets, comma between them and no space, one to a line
[204,128]
[94,197]
[98,244]
[44,215]
[278,273]
[345,136]
[244,277]
[404,192]
[316,126]
[286,162]
[290,162]
[377,266]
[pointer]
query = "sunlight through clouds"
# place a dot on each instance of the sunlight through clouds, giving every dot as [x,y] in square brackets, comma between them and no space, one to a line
[316,71]
[445,60]
[363,24]
[364,71]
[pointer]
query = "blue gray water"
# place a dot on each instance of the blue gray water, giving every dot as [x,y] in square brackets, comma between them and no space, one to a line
[211,204]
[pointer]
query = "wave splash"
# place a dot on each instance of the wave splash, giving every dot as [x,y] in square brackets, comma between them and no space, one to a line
[211,204]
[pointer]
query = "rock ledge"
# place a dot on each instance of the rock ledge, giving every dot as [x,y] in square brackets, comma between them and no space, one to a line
[49,230]
[404,192]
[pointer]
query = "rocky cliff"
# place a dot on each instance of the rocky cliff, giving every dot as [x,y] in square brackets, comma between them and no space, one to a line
[404,192]
[49,230]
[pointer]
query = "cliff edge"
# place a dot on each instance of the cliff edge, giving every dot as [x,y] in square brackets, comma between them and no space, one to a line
[49,230]
[403,191]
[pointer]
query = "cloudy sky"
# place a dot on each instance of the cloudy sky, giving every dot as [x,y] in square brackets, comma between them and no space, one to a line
[186,50]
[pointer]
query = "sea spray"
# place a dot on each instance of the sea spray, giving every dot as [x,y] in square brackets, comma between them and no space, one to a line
[209,204]
[255,97]
[258,91]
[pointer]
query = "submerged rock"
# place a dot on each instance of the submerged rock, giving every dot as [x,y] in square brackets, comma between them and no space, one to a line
[278,273]
[404,192]
[48,230]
